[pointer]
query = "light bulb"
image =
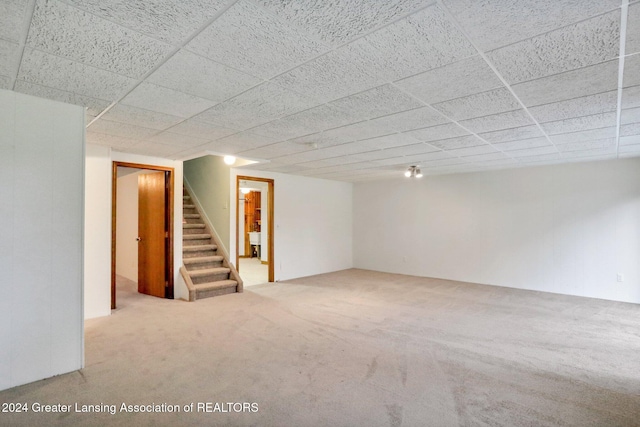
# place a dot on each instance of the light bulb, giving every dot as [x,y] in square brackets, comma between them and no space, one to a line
[229,160]
[407,173]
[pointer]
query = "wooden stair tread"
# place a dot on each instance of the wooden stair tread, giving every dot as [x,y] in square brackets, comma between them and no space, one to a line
[198,248]
[196,236]
[220,284]
[202,259]
[209,271]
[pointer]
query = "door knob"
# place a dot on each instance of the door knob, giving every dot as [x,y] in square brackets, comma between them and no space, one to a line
[138,239]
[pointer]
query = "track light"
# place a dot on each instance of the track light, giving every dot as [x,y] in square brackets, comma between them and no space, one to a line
[413,172]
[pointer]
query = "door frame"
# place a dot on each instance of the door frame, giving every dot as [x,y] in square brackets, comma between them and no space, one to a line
[169,196]
[270,227]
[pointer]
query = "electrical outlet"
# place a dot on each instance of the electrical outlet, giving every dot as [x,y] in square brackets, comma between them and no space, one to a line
[620,277]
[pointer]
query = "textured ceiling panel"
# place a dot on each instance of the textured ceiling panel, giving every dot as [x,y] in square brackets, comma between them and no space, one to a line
[410,120]
[585,43]
[588,135]
[588,145]
[317,119]
[572,84]
[472,151]
[629,130]
[478,105]
[71,33]
[459,142]
[9,53]
[199,76]
[137,116]
[495,23]
[541,158]
[463,78]
[589,152]
[94,106]
[176,139]
[631,71]
[168,20]
[376,102]
[577,107]
[512,134]
[251,40]
[238,142]
[64,74]
[633,29]
[275,150]
[146,148]
[508,120]
[631,97]
[580,123]
[358,131]
[339,21]
[388,141]
[630,140]
[420,42]
[12,18]
[489,157]
[522,144]
[202,130]
[631,115]
[335,75]
[435,133]
[121,129]
[157,98]
[406,150]
[110,140]
[534,151]
[4,82]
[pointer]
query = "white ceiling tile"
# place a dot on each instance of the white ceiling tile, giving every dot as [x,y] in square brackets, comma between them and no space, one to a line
[536,152]
[394,161]
[542,159]
[590,152]
[481,104]
[463,78]
[337,74]
[410,120]
[630,143]
[170,138]
[522,144]
[577,107]
[406,150]
[631,71]
[275,150]
[74,34]
[630,129]
[633,29]
[281,130]
[110,140]
[248,38]
[489,157]
[571,84]
[580,123]
[288,169]
[147,148]
[376,102]
[94,106]
[459,142]
[202,130]
[607,143]
[422,41]
[513,134]
[64,74]
[358,131]
[435,133]
[495,23]
[340,21]
[257,106]
[630,115]
[138,116]
[588,135]
[388,141]
[168,20]
[441,159]
[157,98]
[472,151]
[121,129]
[575,46]
[199,76]
[508,120]
[13,14]
[4,82]
[320,139]
[631,97]
[9,56]
[239,142]
[316,119]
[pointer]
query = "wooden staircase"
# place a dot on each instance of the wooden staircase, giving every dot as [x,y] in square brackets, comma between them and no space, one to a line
[206,272]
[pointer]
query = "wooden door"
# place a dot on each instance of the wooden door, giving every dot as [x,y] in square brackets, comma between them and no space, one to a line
[152,234]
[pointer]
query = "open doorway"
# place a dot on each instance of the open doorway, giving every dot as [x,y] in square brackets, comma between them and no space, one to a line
[142,228]
[254,229]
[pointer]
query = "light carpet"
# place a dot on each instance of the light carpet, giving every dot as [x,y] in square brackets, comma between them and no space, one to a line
[357,348]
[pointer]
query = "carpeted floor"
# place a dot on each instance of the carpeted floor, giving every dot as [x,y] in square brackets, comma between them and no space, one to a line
[253,272]
[355,348]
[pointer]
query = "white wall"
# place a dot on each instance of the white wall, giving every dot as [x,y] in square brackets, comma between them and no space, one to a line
[312,224]
[41,170]
[98,217]
[566,229]
[127,227]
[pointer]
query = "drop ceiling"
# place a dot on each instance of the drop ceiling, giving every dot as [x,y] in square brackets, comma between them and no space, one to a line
[349,89]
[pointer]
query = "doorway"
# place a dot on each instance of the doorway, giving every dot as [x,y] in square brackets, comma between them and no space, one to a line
[151,222]
[254,229]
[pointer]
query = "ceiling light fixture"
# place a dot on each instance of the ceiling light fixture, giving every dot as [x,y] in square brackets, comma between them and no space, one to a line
[413,172]
[229,160]
[245,190]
